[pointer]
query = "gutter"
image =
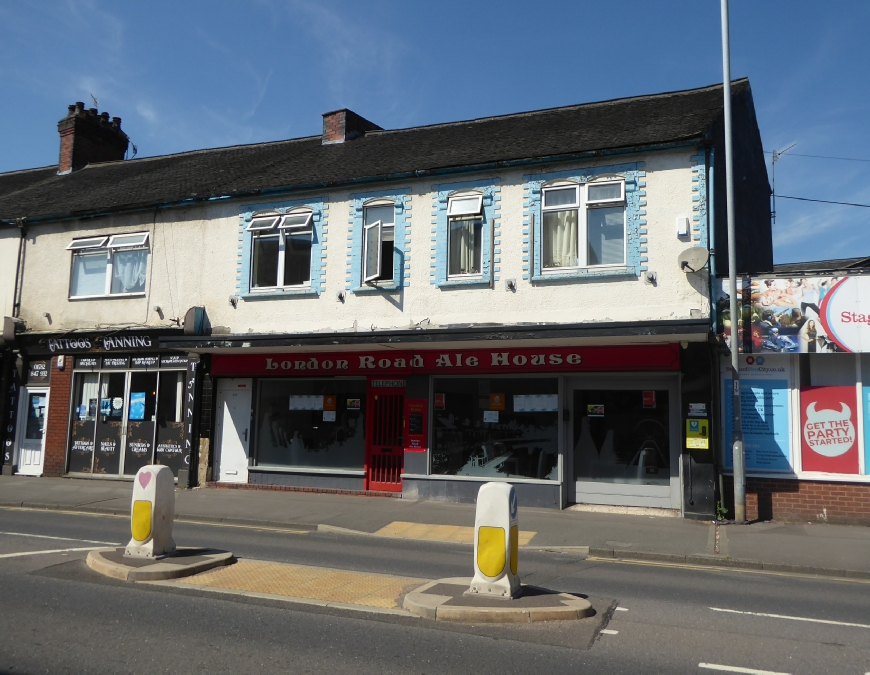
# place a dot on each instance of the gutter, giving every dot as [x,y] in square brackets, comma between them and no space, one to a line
[458,333]
[405,175]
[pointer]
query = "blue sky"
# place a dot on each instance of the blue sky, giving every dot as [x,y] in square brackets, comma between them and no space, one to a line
[189,75]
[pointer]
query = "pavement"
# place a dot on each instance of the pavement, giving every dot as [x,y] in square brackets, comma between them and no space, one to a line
[816,549]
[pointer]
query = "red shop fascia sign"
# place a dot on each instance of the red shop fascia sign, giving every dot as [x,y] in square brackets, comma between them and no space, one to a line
[444,362]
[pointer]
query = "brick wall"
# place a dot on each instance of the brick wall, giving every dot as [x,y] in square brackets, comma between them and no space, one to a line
[57,424]
[803,501]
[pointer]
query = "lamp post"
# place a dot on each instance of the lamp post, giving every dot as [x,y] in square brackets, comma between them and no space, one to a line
[739,462]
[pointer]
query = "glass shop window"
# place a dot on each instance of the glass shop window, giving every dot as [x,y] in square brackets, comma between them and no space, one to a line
[496,427]
[311,424]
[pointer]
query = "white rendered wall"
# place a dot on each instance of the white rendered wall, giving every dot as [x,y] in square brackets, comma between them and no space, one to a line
[194,255]
[8,256]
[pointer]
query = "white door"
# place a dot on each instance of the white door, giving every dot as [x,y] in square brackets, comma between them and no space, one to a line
[31,430]
[233,429]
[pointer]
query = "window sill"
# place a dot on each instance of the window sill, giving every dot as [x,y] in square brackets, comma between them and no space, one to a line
[585,273]
[112,296]
[380,287]
[273,293]
[460,282]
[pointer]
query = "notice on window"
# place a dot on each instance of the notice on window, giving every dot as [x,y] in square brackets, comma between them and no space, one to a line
[697,410]
[765,410]
[353,404]
[490,416]
[439,401]
[137,405]
[329,402]
[595,410]
[536,403]
[649,399]
[496,401]
[329,416]
[306,403]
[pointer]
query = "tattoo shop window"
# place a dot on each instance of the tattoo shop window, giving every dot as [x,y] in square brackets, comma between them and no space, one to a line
[379,236]
[464,235]
[109,265]
[583,225]
[281,249]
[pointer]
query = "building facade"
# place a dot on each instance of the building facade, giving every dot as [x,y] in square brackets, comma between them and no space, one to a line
[523,298]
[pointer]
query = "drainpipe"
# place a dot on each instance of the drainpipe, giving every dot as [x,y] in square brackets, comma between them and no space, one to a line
[19,267]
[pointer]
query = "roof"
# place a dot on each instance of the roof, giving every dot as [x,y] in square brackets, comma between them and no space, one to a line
[306,163]
[822,267]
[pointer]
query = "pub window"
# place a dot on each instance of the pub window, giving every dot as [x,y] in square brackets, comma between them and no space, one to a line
[464,234]
[583,225]
[281,249]
[379,235]
[109,265]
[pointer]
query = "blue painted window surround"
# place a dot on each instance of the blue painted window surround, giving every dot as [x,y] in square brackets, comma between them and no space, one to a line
[319,208]
[635,223]
[490,252]
[401,248]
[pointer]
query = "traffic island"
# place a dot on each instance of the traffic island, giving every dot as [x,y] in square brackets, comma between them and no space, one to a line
[449,600]
[183,562]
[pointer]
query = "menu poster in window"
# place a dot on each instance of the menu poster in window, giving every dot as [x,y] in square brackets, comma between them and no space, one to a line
[137,405]
[415,424]
[305,402]
[829,435]
[536,403]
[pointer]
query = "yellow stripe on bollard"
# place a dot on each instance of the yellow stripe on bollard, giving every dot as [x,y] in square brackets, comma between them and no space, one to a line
[140,523]
[515,548]
[490,550]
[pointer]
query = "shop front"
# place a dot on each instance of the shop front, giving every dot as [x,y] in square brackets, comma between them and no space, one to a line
[596,425]
[104,405]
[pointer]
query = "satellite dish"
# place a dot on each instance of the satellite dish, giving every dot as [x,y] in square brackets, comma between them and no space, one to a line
[693,259]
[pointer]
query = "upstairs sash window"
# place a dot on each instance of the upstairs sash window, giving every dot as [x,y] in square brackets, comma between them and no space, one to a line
[464,235]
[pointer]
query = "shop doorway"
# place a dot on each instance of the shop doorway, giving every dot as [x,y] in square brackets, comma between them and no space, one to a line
[385,450]
[233,429]
[31,426]
[624,441]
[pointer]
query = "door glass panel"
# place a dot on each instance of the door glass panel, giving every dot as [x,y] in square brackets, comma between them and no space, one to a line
[622,436]
[35,417]
[86,404]
[140,426]
[110,420]
[170,421]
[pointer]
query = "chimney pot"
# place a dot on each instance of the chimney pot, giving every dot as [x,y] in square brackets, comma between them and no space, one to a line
[87,137]
[345,125]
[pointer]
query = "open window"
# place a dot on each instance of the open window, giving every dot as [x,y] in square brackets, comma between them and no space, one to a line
[281,249]
[379,220]
[464,235]
[109,265]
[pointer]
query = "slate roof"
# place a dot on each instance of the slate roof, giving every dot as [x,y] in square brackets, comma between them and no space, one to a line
[822,267]
[304,163]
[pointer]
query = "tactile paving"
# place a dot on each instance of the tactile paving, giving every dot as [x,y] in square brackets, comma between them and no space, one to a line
[313,583]
[456,533]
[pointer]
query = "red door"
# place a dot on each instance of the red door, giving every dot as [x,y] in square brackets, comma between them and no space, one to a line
[385,452]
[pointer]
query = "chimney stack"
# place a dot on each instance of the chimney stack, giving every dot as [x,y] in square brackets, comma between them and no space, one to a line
[345,125]
[88,137]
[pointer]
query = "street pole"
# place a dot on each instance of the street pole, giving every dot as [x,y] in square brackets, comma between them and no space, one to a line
[736,309]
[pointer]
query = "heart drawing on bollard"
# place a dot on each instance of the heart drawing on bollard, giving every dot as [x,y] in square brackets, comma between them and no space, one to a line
[144,479]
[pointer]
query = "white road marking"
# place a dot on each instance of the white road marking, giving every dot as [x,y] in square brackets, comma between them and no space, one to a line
[607,631]
[793,618]
[57,550]
[736,669]
[622,609]
[45,536]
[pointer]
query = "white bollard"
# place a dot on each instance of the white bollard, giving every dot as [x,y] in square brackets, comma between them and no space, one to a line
[152,514]
[496,542]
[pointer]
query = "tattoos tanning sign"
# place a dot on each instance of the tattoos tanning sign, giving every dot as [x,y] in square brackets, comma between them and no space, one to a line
[829,430]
